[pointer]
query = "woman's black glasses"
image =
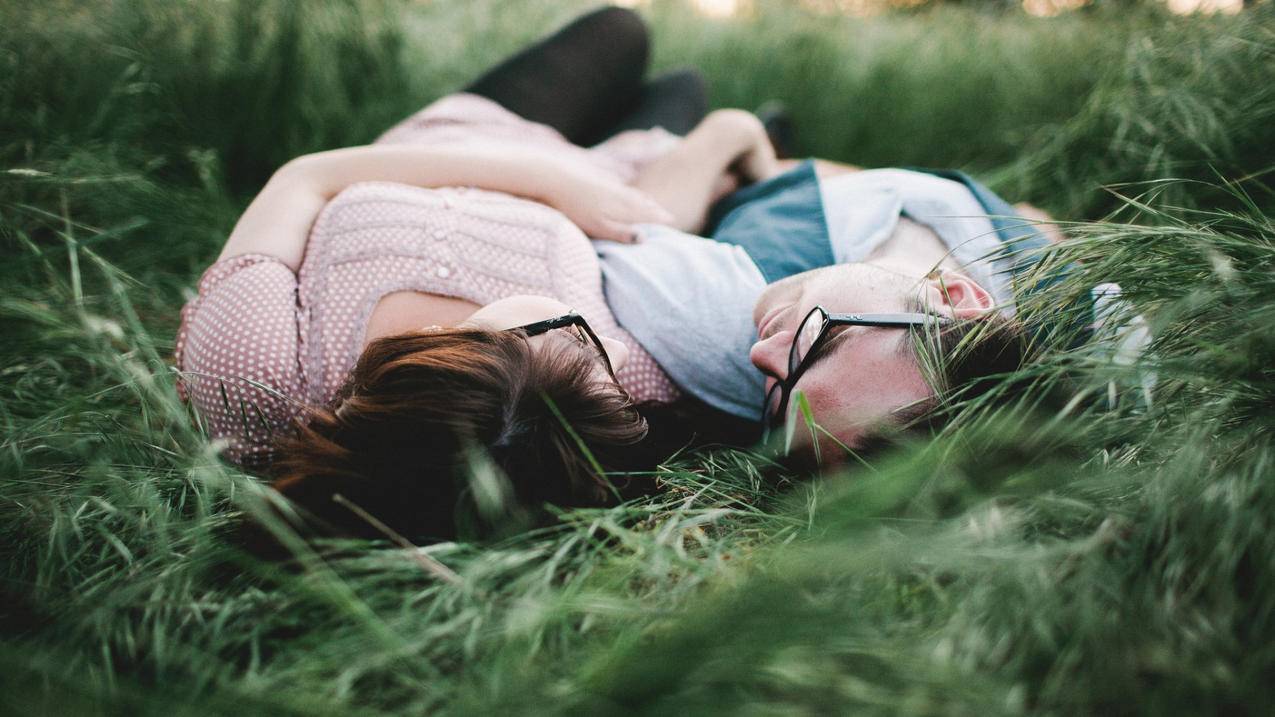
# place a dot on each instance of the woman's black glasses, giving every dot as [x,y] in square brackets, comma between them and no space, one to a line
[578,326]
[812,335]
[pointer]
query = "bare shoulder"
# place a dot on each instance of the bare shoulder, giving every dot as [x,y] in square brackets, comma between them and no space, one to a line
[1041,220]
[824,168]
[403,311]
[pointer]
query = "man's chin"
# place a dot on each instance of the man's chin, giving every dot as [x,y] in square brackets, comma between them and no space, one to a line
[803,461]
[802,456]
[796,455]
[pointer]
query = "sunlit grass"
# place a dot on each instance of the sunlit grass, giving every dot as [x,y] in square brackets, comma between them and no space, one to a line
[1077,548]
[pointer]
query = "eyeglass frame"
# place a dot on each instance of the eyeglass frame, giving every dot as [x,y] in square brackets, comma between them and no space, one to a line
[830,321]
[537,328]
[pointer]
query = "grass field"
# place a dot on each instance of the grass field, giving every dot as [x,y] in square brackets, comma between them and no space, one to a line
[1081,551]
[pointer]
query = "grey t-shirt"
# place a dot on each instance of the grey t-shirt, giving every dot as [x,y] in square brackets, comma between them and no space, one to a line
[863,210]
[689,300]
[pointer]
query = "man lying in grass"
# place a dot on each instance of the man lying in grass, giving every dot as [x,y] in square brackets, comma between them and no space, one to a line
[829,279]
[374,329]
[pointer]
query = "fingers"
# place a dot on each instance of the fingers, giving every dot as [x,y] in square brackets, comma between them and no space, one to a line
[628,207]
[611,230]
[725,184]
[760,164]
[638,207]
[609,209]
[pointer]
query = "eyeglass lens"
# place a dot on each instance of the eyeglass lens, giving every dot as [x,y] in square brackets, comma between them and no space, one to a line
[805,338]
[590,339]
[580,331]
[774,402]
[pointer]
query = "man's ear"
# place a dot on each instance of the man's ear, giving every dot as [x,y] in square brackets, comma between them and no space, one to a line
[957,295]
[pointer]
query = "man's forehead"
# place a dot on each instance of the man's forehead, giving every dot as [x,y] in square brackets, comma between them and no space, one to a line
[826,273]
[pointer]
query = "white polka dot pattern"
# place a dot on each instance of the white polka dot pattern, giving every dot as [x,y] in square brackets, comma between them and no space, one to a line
[259,342]
[238,353]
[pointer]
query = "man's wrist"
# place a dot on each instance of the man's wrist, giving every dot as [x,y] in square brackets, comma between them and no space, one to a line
[739,130]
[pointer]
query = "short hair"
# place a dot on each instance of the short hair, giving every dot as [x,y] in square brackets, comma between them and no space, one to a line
[966,358]
[961,361]
[401,438]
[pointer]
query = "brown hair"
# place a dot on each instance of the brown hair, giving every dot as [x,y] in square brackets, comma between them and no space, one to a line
[968,358]
[422,414]
[961,360]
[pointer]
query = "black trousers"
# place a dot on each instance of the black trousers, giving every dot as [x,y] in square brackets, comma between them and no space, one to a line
[586,81]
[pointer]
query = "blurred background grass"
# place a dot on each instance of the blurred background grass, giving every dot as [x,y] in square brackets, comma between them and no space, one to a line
[1071,560]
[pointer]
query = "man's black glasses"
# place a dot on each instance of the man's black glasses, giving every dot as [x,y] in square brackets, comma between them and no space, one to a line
[578,326]
[812,335]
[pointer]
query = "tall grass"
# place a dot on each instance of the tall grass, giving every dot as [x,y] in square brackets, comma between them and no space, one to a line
[1080,550]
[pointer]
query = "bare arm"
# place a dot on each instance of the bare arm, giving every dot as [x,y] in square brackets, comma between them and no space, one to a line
[825,169]
[1043,222]
[688,179]
[278,220]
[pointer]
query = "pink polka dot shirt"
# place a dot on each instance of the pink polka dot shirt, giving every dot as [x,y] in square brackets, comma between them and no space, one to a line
[260,343]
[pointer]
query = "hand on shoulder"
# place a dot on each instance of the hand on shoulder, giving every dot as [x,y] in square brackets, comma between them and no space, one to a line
[602,206]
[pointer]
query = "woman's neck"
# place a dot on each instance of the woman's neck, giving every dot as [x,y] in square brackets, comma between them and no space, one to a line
[401,312]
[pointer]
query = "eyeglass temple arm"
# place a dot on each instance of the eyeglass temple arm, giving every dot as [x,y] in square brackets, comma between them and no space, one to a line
[540,327]
[888,319]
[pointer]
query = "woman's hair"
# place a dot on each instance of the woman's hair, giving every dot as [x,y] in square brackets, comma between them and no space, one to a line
[430,425]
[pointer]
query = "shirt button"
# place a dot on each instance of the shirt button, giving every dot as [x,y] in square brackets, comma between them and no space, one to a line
[443,272]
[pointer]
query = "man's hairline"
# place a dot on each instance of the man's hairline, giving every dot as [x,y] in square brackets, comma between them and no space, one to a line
[910,343]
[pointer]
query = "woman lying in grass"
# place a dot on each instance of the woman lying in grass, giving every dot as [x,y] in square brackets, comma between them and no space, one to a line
[411,330]
[406,333]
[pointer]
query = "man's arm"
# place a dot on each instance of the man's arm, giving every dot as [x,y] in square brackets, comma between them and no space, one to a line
[824,168]
[688,179]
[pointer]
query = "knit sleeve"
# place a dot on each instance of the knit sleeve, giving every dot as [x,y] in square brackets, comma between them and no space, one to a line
[237,354]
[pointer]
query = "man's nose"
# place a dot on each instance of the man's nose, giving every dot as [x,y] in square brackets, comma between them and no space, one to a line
[771,354]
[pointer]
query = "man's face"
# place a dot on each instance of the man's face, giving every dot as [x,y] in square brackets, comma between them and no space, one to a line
[865,373]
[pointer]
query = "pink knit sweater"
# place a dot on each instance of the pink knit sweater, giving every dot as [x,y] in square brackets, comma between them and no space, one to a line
[259,343]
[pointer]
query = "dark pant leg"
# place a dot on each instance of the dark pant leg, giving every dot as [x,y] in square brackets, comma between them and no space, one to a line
[676,101]
[581,80]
